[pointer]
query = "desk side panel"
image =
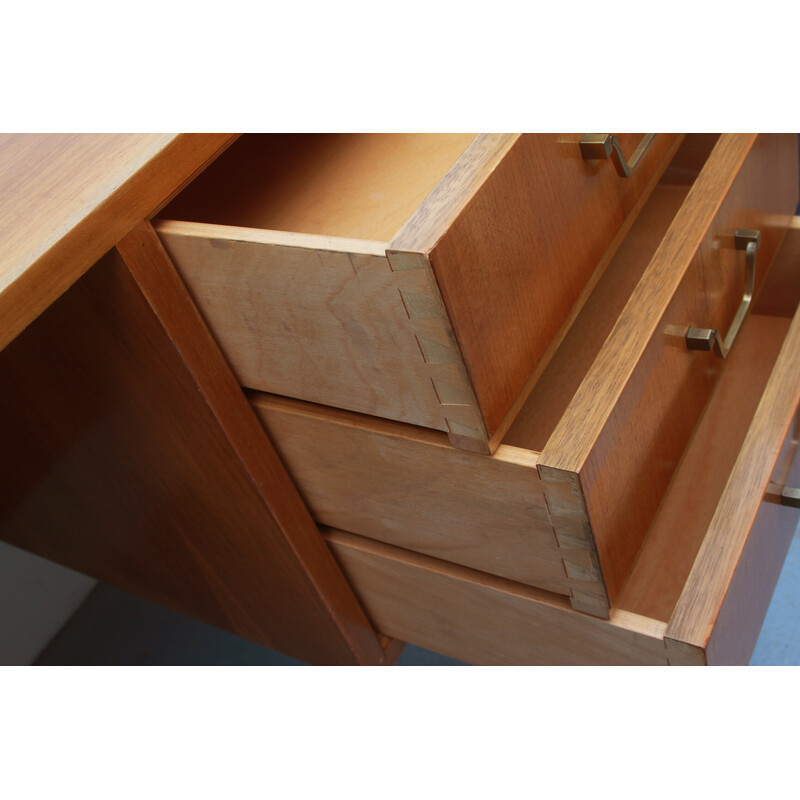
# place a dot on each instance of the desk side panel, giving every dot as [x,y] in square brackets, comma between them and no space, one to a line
[117,464]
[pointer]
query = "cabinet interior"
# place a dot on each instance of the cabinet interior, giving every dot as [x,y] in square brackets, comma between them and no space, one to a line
[351,185]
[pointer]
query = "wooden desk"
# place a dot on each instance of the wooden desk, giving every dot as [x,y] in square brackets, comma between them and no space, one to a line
[133,455]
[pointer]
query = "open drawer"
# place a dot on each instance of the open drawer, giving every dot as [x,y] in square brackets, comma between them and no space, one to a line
[421,278]
[704,576]
[560,506]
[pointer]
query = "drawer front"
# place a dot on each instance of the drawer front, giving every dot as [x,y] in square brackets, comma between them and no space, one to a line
[629,423]
[361,325]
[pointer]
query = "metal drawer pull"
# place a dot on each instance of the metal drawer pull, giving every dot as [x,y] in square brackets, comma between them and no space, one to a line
[602,145]
[777,491]
[706,338]
[784,496]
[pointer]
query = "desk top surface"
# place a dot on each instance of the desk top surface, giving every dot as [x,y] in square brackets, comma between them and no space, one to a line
[66,199]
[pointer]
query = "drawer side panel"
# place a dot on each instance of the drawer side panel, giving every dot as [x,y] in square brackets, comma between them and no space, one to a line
[484,620]
[748,597]
[734,574]
[306,317]
[645,434]
[515,260]
[408,487]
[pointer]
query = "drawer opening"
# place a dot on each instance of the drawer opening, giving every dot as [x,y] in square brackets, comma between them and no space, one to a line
[669,550]
[604,298]
[351,185]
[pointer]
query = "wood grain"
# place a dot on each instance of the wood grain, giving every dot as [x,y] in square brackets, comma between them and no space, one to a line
[458,405]
[735,566]
[621,241]
[158,280]
[486,620]
[571,443]
[690,159]
[559,382]
[66,199]
[552,393]
[126,464]
[780,293]
[628,424]
[685,513]
[526,243]
[406,486]
[327,320]
[392,649]
[747,599]
[452,193]
[349,336]
[354,185]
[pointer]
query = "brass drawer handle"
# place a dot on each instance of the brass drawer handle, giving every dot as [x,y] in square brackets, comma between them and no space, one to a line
[777,491]
[602,145]
[707,338]
[782,495]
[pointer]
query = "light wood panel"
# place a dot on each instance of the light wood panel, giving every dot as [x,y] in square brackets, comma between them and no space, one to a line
[557,347]
[65,199]
[690,159]
[628,424]
[478,618]
[129,460]
[353,185]
[688,507]
[780,293]
[559,382]
[440,209]
[672,544]
[747,599]
[552,393]
[485,620]
[294,528]
[409,487]
[571,443]
[736,567]
[329,320]
[515,259]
